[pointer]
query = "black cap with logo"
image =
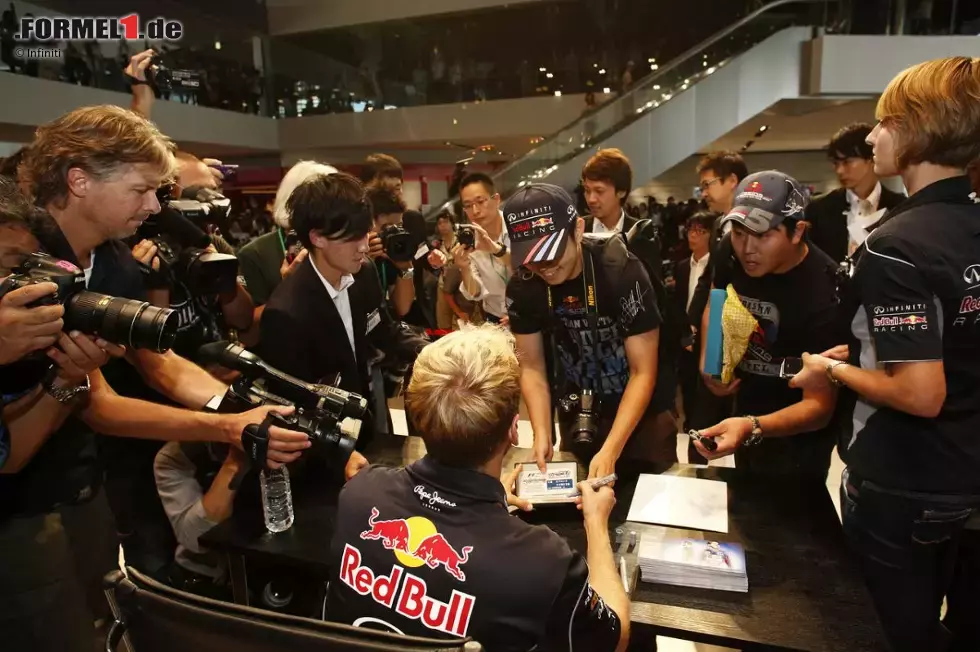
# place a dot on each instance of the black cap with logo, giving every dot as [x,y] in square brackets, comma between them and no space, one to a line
[540,220]
[764,199]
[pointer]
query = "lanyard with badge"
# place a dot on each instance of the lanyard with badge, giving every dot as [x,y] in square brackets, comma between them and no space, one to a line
[591,314]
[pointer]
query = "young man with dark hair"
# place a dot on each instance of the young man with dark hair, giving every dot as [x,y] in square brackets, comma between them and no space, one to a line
[397,278]
[418,549]
[842,219]
[594,301]
[790,290]
[719,173]
[485,266]
[607,179]
[329,317]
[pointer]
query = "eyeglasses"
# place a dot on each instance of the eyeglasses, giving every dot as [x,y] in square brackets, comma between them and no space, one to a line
[478,202]
[704,185]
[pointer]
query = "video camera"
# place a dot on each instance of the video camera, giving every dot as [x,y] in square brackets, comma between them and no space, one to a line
[135,324]
[164,80]
[329,416]
[182,242]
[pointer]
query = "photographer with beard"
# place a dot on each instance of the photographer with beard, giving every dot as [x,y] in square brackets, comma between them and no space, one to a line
[96,171]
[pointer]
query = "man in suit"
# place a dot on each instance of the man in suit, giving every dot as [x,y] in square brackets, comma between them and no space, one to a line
[842,219]
[329,316]
[607,179]
[701,407]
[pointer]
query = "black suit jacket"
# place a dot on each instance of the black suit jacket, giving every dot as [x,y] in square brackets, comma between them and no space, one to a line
[828,220]
[628,223]
[682,284]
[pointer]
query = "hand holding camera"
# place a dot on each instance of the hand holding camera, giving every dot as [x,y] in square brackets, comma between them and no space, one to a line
[289,266]
[474,237]
[284,447]
[77,355]
[138,65]
[25,328]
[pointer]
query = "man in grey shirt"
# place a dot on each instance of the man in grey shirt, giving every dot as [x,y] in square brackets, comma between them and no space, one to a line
[195,500]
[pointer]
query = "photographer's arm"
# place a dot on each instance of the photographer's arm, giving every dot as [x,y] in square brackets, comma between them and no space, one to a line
[176,378]
[237,308]
[403,293]
[30,422]
[641,352]
[537,394]
[143,97]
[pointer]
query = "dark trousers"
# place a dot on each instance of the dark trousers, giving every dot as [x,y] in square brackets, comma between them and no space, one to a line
[908,545]
[702,409]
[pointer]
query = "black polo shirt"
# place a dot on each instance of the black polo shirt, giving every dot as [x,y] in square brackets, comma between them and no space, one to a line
[430,550]
[66,468]
[918,279]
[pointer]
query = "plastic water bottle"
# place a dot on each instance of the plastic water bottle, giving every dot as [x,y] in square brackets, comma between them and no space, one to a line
[277,499]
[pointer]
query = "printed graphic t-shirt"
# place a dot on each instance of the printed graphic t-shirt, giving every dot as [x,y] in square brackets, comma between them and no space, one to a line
[626,307]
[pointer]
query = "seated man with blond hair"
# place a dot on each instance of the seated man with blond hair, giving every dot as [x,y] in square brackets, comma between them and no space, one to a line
[431,550]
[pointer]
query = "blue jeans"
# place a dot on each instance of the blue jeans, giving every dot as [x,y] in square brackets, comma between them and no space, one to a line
[908,544]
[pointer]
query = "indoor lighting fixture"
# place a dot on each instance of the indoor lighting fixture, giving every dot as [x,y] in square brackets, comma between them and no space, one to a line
[542,69]
[651,60]
[455,121]
[217,44]
[763,129]
[549,75]
[557,93]
[655,66]
[656,87]
[602,71]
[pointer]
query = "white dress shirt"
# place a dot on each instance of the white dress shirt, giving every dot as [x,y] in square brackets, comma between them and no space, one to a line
[491,275]
[697,269]
[341,299]
[861,214]
[599,228]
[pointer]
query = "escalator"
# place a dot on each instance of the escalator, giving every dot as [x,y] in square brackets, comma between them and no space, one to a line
[695,98]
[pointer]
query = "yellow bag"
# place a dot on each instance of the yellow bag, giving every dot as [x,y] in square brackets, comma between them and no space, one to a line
[737,326]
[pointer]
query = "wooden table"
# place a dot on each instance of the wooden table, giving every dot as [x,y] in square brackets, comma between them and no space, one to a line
[805,593]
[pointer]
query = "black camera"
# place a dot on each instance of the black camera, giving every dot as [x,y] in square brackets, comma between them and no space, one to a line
[584,409]
[329,416]
[182,249]
[400,245]
[164,80]
[466,235]
[292,244]
[131,323]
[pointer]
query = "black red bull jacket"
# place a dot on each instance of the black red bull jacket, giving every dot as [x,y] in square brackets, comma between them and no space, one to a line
[430,550]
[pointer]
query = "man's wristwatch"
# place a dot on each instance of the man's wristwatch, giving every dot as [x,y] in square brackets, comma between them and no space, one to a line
[408,273]
[756,436]
[67,395]
[502,252]
[830,372]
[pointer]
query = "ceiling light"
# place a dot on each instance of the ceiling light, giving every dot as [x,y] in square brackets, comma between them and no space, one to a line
[595,65]
[602,71]
[549,75]
[606,90]
[455,121]
[557,93]
[763,129]
[217,45]
[656,87]
[654,67]
[710,70]
[542,69]
[651,60]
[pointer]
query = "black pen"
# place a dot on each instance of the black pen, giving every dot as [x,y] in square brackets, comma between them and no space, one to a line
[596,484]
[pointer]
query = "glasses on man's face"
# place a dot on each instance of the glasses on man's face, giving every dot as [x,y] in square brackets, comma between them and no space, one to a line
[704,185]
[697,230]
[479,202]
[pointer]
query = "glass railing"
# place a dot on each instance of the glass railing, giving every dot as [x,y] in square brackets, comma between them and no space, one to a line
[656,89]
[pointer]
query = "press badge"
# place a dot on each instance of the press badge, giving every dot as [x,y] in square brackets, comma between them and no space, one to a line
[373,320]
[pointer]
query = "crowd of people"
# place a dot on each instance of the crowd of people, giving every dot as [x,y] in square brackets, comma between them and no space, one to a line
[583,306]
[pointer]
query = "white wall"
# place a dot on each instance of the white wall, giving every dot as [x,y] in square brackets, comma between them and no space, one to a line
[292,16]
[865,64]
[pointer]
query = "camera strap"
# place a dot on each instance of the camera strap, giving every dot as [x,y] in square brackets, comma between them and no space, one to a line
[255,442]
[591,312]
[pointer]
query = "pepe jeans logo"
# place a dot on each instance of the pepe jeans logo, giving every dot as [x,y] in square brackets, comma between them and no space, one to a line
[433,500]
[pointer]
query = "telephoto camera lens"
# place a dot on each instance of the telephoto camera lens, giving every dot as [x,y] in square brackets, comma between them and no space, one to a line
[135,324]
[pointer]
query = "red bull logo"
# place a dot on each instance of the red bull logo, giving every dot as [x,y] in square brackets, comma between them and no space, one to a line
[543,221]
[407,595]
[415,542]
[755,186]
[900,320]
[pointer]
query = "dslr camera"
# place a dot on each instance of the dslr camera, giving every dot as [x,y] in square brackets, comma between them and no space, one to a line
[330,417]
[400,245]
[584,410]
[466,236]
[135,324]
[182,242]
[164,80]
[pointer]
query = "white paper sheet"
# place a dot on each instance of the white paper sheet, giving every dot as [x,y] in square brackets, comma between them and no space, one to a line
[675,501]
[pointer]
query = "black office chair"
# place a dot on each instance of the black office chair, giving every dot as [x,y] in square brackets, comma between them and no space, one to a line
[152,617]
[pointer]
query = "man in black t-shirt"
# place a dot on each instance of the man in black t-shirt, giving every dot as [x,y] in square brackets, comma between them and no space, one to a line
[790,289]
[596,302]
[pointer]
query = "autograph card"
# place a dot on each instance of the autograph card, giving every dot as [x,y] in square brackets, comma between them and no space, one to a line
[550,487]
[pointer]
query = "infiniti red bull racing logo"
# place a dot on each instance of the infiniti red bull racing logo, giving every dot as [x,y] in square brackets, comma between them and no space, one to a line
[415,542]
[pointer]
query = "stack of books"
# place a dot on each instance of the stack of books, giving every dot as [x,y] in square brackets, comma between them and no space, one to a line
[693,562]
